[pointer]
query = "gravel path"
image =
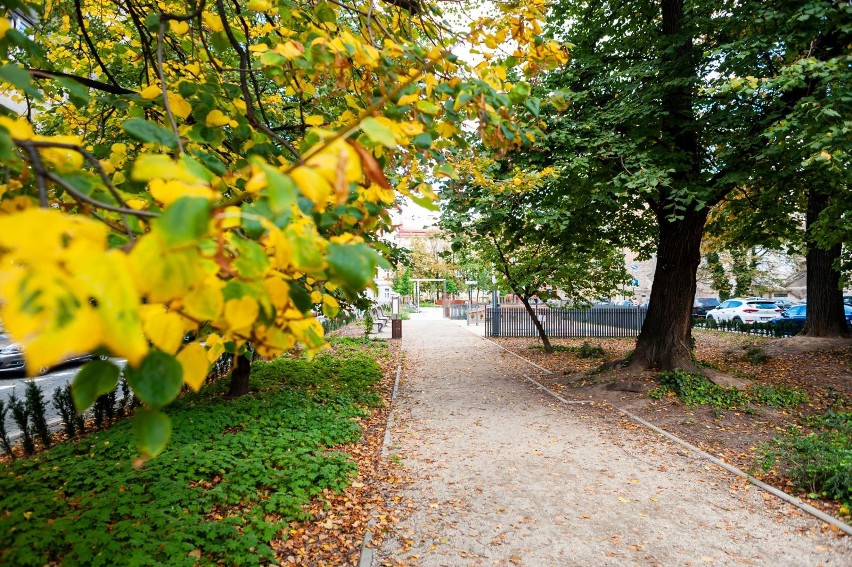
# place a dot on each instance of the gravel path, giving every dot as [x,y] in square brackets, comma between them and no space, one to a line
[503,474]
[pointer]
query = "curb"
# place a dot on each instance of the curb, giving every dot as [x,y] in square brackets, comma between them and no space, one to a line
[365,558]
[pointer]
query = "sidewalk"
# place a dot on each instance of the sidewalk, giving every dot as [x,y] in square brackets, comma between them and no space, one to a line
[505,475]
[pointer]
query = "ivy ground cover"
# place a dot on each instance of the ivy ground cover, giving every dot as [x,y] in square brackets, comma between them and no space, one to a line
[236,473]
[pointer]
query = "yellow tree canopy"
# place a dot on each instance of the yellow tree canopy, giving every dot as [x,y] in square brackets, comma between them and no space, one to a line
[224,168]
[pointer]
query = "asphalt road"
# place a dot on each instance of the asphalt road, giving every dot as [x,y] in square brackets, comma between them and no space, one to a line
[48,383]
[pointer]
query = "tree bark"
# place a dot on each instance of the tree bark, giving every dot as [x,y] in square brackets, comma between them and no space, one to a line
[665,341]
[542,334]
[240,377]
[825,297]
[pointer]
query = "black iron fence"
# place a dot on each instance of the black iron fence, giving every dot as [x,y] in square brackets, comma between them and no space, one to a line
[783,329]
[603,322]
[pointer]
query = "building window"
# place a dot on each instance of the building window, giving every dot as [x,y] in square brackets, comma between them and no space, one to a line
[387,293]
[780,295]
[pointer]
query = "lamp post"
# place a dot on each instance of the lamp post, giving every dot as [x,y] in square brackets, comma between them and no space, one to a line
[495,309]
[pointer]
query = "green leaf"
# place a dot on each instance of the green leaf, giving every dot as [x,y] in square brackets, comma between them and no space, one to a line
[281,191]
[95,379]
[445,170]
[533,104]
[252,261]
[153,429]
[158,379]
[519,92]
[428,107]
[19,78]
[146,131]
[7,146]
[354,264]
[185,221]
[378,132]
[211,162]
[300,297]
[425,202]
[423,140]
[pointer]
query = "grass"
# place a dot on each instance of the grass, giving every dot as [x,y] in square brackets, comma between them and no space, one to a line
[232,478]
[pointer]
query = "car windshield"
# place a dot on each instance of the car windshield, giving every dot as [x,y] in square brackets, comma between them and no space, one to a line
[763,304]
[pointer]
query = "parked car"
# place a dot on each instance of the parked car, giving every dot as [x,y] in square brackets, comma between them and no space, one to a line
[12,360]
[847,299]
[745,310]
[784,304]
[702,305]
[796,316]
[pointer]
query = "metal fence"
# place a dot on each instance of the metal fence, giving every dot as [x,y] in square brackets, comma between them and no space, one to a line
[458,311]
[604,322]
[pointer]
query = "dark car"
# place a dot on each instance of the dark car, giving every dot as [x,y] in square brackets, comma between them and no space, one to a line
[702,305]
[795,317]
[12,360]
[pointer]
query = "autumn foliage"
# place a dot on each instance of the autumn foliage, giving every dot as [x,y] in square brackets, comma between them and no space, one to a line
[222,170]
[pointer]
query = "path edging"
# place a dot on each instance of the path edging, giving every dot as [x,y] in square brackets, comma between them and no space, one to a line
[365,558]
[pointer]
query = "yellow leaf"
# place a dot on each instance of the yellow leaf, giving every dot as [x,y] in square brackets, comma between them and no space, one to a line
[178,104]
[291,49]
[152,91]
[4,27]
[312,185]
[108,281]
[154,166]
[163,328]
[259,5]
[314,120]
[205,302]
[212,21]
[241,313]
[20,128]
[216,119]
[330,306]
[167,192]
[178,28]
[408,99]
[193,360]
[163,274]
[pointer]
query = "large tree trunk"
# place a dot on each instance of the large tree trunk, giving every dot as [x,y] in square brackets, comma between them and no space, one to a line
[665,342]
[542,334]
[825,298]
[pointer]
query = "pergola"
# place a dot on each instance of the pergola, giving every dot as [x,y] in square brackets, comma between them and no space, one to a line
[417,288]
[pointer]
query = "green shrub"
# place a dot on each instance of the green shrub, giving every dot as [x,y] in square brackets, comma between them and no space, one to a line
[755,355]
[232,478]
[37,409]
[695,390]
[777,396]
[819,462]
[4,436]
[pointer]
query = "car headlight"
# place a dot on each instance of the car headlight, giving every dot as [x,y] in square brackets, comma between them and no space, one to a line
[13,348]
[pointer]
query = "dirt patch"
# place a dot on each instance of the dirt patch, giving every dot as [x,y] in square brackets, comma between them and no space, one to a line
[821,368]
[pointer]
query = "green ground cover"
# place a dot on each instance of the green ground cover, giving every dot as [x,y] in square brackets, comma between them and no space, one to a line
[234,474]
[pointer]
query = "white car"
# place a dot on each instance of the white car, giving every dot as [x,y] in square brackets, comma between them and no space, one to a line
[745,310]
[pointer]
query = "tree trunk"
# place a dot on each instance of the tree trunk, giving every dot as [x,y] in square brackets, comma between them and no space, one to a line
[240,377]
[542,334]
[665,342]
[825,298]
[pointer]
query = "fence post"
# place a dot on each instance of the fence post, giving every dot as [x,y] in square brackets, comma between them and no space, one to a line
[495,315]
